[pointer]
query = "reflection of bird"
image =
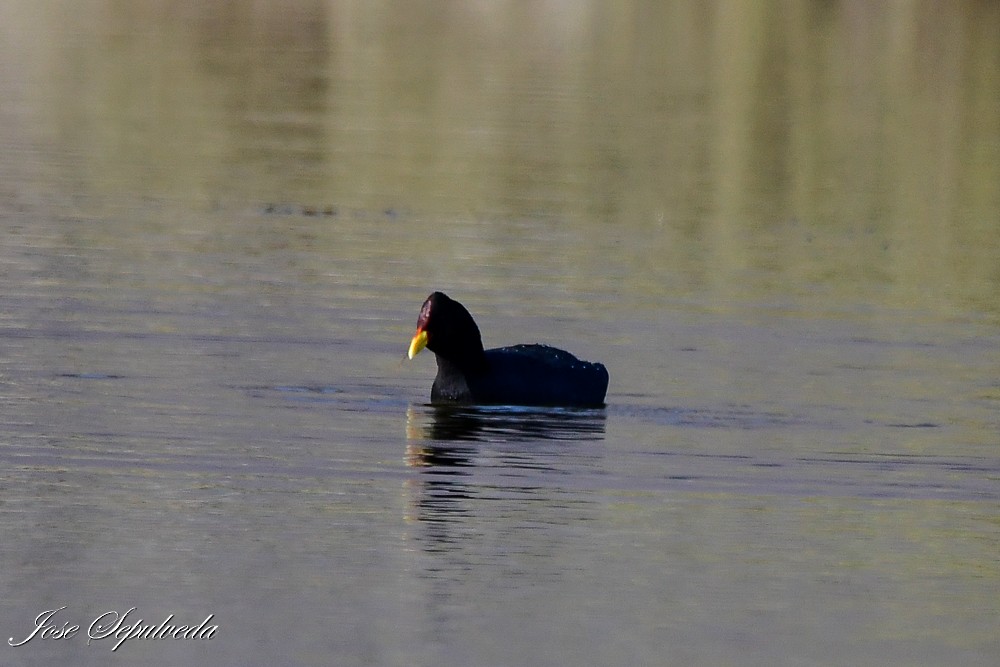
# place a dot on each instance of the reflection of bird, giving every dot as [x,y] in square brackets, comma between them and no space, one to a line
[518,375]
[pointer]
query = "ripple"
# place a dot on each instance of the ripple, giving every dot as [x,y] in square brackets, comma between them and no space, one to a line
[729,417]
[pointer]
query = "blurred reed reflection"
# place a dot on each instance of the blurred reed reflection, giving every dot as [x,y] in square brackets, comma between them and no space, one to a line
[843,146]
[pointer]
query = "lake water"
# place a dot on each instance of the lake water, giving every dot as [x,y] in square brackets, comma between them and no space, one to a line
[777,224]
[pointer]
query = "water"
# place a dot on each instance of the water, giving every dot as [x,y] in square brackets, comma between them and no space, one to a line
[218,227]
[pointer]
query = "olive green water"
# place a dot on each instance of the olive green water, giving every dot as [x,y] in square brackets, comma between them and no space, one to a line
[777,224]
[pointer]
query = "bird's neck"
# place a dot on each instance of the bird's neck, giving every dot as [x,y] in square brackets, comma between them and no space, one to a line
[467,363]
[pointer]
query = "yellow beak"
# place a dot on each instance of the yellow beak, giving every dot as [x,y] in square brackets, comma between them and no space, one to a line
[418,343]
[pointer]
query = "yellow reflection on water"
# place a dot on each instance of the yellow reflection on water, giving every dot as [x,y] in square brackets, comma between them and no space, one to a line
[847,146]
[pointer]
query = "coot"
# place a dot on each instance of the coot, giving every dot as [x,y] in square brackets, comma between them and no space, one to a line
[517,375]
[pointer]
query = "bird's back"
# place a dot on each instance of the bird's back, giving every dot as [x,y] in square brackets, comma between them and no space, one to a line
[539,375]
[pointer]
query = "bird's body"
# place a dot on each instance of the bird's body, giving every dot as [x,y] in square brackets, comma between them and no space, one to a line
[516,375]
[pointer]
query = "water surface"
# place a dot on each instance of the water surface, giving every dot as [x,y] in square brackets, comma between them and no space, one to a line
[777,227]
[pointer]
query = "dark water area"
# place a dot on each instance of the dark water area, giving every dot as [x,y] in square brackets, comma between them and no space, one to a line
[776,224]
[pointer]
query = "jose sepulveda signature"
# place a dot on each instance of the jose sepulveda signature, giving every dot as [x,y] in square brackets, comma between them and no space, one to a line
[116,626]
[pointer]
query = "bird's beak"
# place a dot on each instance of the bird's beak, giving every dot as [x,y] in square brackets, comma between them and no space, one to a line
[418,343]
